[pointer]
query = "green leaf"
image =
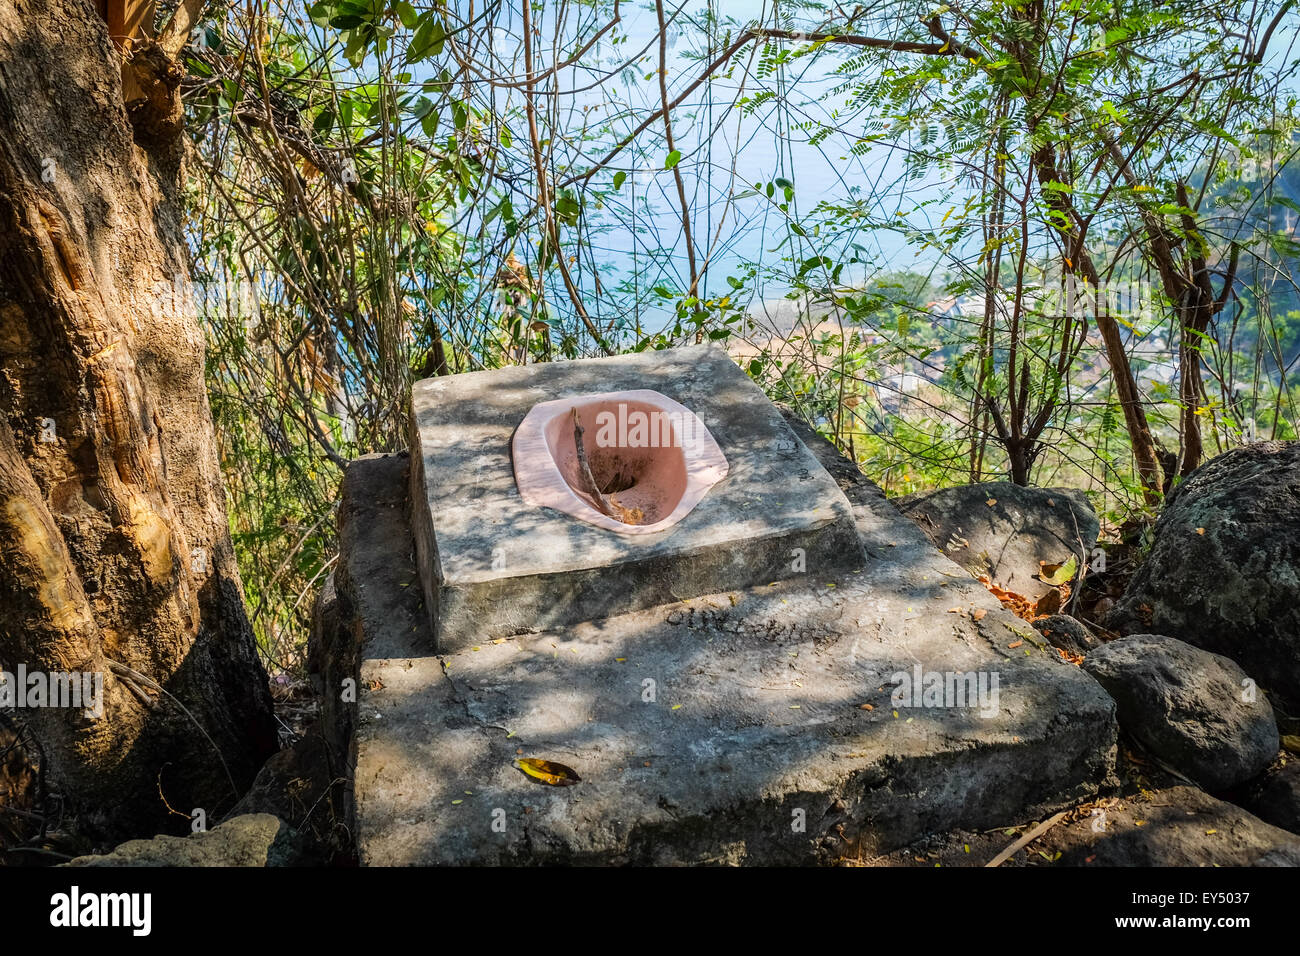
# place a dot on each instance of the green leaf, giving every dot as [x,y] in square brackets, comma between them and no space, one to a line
[406,13]
[1108,108]
[423,106]
[1058,574]
[568,209]
[673,159]
[619,178]
[427,41]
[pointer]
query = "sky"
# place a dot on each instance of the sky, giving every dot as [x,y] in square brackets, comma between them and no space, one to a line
[726,159]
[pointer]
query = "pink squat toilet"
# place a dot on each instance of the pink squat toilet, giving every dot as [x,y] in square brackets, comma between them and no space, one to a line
[652,460]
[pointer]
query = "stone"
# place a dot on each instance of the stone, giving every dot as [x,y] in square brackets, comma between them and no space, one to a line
[1007,531]
[728,728]
[1180,826]
[1224,569]
[1280,856]
[255,839]
[1193,709]
[493,567]
[299,785]
[1068,634]
[1275,797]
[373,598]
[1174,826]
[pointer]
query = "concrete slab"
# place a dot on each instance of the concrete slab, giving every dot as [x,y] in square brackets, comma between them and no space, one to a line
[730,728]
[492,566]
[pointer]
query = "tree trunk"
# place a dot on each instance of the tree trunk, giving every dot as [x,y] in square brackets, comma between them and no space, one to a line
[115,553]
[1081,264]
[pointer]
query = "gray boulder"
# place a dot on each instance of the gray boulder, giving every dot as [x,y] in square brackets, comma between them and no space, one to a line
[1276,797]
[255,839]
[1192,709]
[1224,571]
[1065,632]
[1006,531]
[1180,826]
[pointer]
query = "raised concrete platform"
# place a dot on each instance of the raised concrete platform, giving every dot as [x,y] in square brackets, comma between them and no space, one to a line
[754,746]
[493,566]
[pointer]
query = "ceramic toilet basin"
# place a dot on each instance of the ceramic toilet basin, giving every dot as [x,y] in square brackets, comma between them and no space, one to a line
[650,459]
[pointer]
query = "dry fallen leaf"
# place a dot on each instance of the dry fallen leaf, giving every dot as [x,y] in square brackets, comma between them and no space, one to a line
[1058,574]
[549,772]
[991,502]
[1049,603]
[978,613]
[1200,531]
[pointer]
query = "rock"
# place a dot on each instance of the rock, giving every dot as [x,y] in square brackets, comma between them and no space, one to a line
[1065,632]
[290,783]
[255,839]
[373,505]
[1224,570]
[294,785]
[1181,826]
[1276,797]
[1175,826]
[1186,706]
[1010,538]
[1282,856]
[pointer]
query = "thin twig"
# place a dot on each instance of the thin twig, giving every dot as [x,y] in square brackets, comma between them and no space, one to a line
[1025,840]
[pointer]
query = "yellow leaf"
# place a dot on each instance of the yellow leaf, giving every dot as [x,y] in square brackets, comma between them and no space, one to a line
[549,772]
[1058,574]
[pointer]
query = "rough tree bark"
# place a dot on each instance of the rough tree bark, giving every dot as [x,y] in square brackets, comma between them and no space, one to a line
[115,553]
